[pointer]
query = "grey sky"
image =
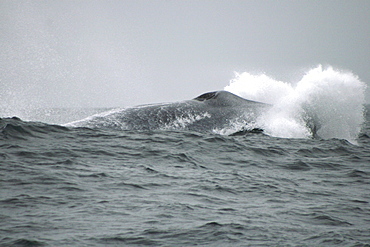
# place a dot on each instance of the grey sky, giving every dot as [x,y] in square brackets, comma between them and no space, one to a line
[121,53]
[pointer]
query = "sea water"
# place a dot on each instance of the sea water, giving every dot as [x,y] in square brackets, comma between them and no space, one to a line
[66,186]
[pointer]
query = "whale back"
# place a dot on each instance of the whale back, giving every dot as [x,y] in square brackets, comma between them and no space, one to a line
[208,112]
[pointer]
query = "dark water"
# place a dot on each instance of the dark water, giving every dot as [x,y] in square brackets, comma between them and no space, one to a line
[82,187]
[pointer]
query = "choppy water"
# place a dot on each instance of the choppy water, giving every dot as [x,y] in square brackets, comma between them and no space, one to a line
[184,181]
[89,187]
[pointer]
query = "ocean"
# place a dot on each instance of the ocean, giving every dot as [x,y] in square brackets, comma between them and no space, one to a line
[66,184]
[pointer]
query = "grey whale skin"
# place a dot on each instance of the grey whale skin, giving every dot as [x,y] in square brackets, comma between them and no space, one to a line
[208,112]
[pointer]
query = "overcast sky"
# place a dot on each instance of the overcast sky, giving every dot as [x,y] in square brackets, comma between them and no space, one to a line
[123,53]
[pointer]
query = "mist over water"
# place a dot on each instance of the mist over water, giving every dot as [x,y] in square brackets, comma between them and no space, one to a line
[124,53]
[331,99]
[67,54]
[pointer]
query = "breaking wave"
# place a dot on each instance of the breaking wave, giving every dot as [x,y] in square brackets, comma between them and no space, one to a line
[326,102]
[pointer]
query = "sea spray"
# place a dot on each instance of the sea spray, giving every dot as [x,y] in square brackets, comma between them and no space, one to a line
[258,87]
[326,102]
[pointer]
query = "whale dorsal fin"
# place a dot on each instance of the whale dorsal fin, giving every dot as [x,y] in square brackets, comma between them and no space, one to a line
[206,96]
[224,98]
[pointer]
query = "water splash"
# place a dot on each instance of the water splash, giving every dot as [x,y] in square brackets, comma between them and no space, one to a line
[326,102]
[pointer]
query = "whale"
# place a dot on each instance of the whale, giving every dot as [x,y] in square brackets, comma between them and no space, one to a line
[209,112]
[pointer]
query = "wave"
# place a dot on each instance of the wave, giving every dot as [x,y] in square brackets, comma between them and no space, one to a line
[15,128]
[326,102]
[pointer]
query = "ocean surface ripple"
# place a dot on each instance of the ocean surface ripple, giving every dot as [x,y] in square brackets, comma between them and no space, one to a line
[63,186]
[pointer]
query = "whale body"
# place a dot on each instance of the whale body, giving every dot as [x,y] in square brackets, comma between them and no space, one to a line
[213,111]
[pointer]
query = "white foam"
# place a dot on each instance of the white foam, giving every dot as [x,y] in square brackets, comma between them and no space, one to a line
[334,99]
[182,122]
